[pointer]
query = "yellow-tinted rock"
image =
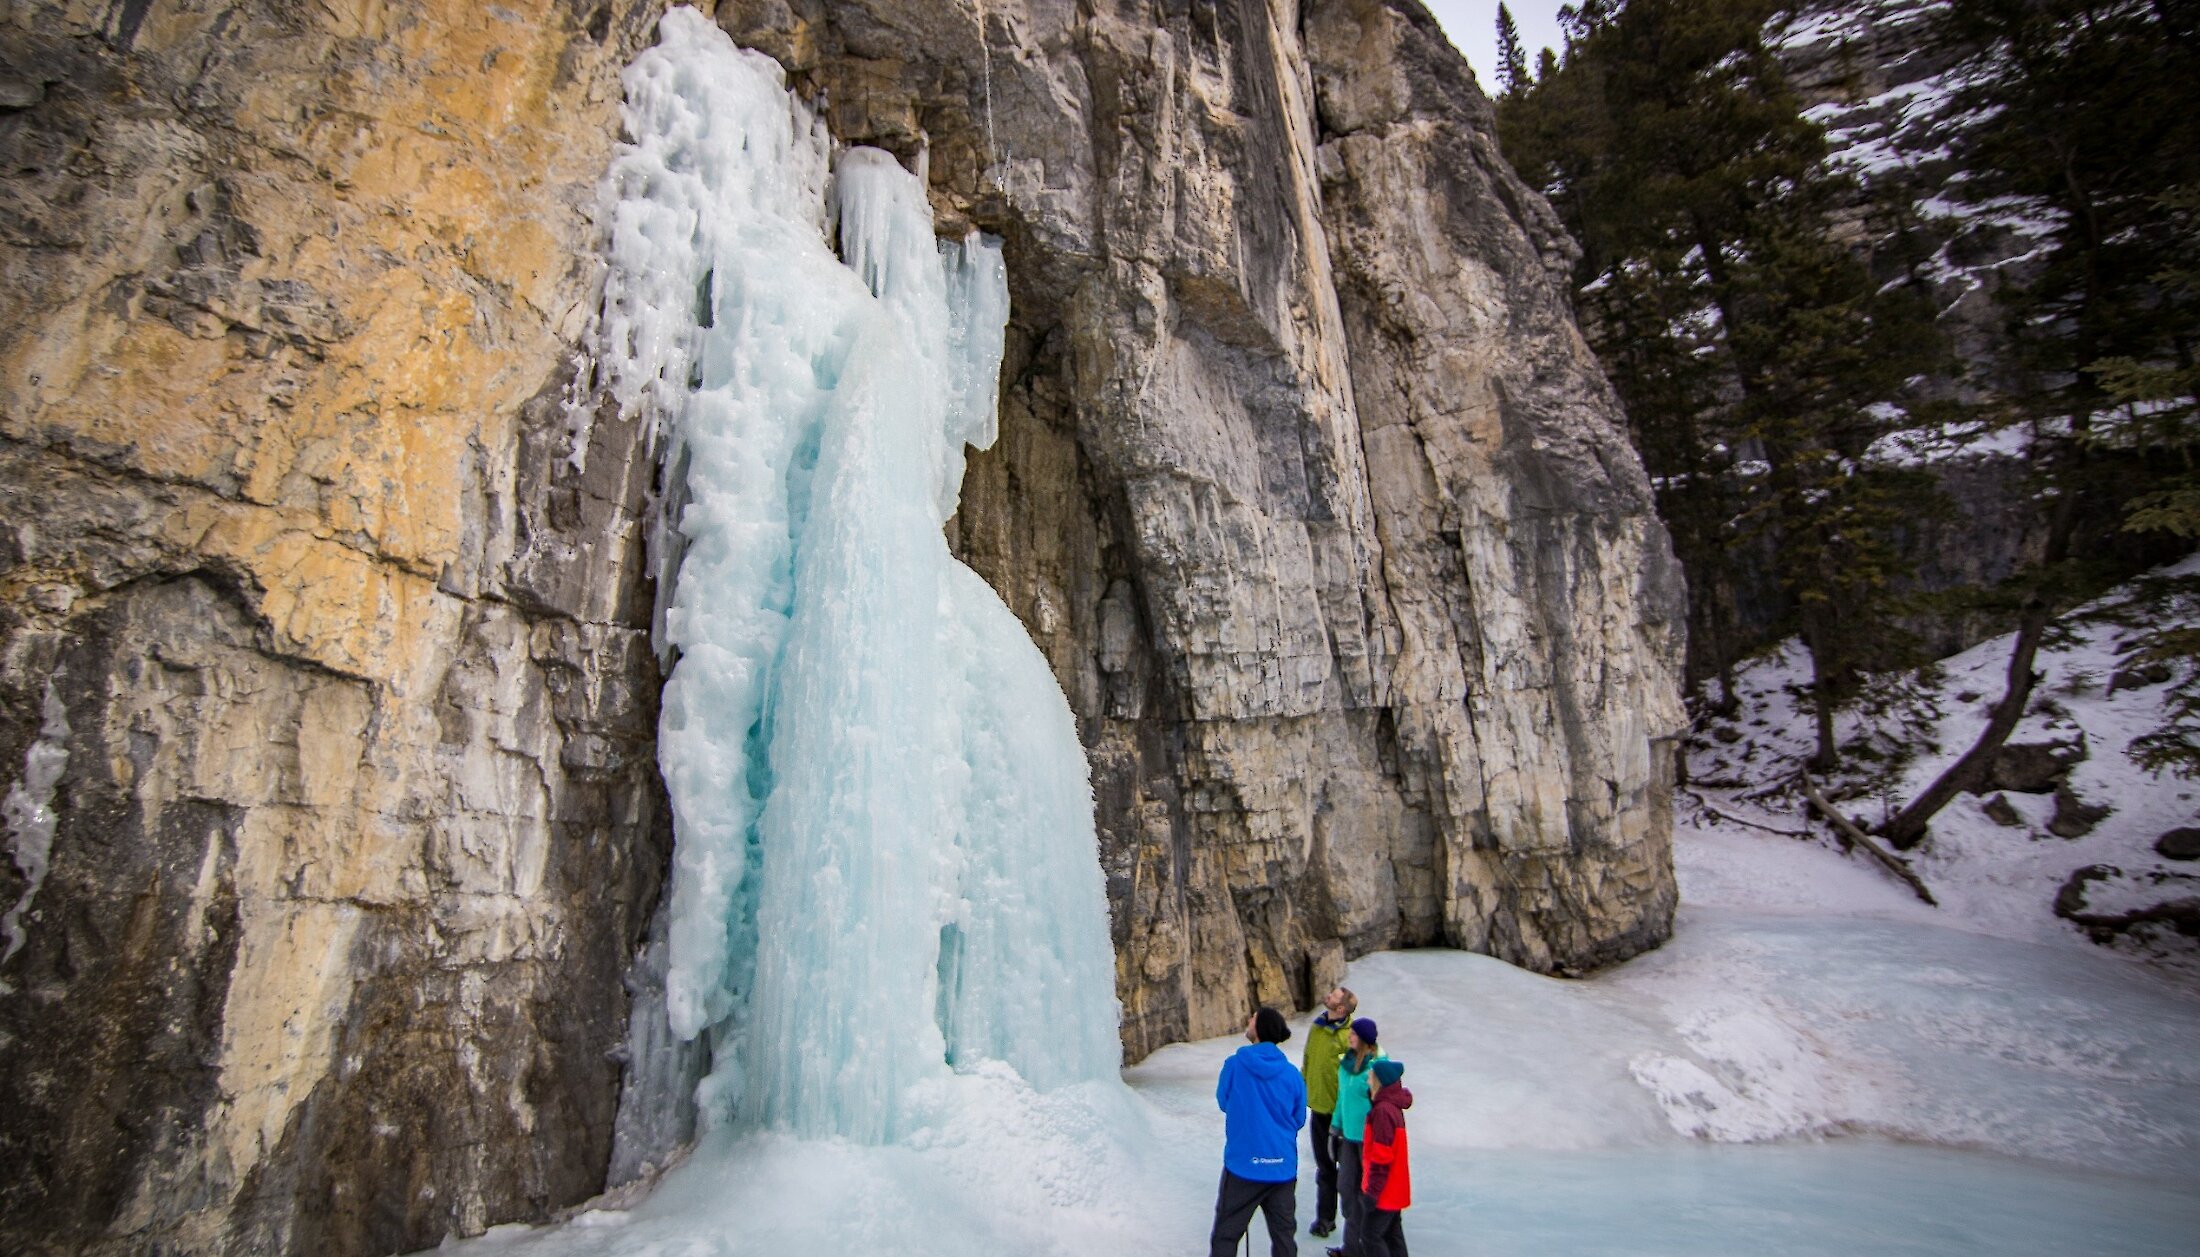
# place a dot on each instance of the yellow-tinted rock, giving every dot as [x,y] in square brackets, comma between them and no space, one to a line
[283,294]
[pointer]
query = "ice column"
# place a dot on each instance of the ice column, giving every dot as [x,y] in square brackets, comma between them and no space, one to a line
[885,864]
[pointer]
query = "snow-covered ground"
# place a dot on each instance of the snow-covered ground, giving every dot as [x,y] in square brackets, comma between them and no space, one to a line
[1817,1063]
[1991,876]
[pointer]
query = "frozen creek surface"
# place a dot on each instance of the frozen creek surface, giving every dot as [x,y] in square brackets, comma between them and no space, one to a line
[1905,1088]
[887,924]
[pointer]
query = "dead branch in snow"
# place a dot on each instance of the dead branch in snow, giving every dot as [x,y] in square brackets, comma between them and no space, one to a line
[1851,835]
[1707,806]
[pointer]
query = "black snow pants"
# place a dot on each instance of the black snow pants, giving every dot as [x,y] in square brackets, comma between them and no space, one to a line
[1325,1173]
[1235,1201]
[1355,1200]
[1385,1233]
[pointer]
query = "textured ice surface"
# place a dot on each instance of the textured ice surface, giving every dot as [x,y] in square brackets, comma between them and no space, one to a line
[1932,1091]
[884,863]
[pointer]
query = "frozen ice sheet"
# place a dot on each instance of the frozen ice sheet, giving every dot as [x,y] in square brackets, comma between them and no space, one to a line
[1914,1090]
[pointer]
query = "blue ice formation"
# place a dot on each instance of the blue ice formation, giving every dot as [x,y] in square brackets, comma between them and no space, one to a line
[884,865]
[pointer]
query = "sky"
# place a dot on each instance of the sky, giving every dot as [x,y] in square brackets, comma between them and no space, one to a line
[1472,25]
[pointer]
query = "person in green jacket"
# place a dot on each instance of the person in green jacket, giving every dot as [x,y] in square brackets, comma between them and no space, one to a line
[1324,1048]
[1348,1121]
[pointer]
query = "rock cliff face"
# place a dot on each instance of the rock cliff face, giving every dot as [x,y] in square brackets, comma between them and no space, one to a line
[1306,484]
[360,816]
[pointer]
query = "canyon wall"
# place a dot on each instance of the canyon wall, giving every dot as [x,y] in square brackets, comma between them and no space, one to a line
[1306,484]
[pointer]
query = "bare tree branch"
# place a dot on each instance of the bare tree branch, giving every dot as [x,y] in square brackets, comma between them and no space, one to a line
[1707,806]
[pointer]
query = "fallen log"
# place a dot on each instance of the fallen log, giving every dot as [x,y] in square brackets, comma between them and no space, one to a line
[1853,836]
[1707,806]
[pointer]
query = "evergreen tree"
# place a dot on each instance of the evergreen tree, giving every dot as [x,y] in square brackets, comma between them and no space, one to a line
[1758,358]
[2084,116]
[1512,62]
[1578,20]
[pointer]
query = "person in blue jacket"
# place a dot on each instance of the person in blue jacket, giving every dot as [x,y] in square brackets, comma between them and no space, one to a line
[1263,1098]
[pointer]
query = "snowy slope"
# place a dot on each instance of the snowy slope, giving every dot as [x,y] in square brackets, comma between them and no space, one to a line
[1999,877]
[1885,90]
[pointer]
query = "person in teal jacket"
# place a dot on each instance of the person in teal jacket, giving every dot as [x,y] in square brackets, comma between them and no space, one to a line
[1324,1048]
[1349,1123]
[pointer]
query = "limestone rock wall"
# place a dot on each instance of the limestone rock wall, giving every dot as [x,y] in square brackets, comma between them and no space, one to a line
[1306,485]
[1307,482]
[360,818]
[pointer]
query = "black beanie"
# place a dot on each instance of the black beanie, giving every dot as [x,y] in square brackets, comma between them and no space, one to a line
[1269,1026]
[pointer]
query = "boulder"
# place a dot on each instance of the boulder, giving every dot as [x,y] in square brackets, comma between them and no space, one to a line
[2032,767]
[2140,675]
[2182,843]
[2074,817]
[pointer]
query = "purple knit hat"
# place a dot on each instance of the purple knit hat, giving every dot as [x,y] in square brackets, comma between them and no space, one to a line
[1365,1028]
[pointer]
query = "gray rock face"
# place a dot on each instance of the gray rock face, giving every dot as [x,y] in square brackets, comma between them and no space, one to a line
[1306,485]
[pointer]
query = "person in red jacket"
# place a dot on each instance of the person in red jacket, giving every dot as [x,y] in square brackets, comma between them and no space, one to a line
[1386,1174]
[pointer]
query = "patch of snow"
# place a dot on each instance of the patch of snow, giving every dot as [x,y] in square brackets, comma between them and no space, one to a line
[1916,447]
[1990,878]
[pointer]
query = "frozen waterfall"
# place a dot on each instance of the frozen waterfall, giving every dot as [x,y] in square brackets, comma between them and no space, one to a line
[885,866]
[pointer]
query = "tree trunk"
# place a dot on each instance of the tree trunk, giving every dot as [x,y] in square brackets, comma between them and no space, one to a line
[1719,618]
[1730,703]
[1851,836]
[1907,829]
[1822,697]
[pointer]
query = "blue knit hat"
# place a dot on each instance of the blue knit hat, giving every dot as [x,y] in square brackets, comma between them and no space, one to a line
[1365,1028]
[1389,1071]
